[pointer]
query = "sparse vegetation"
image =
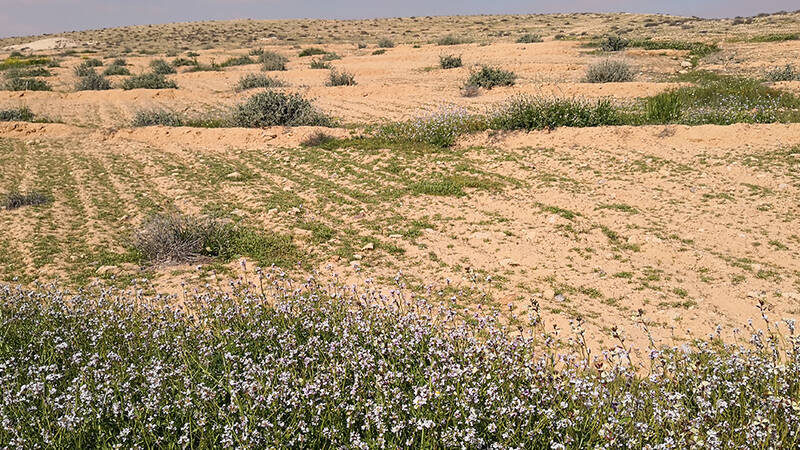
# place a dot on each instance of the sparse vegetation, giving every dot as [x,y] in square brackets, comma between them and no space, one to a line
[161,67]
[613,43]
[785,73]
[319,64]
[385,43]
[22,114]
[379,51]
[311,51]
[488,77]
[237,61]
[253,81]
[529,38]
[157,117]
[537,113]
[148,81]
[663,108]
[271,108]
[340,78]
[452,39]
[609,71]
[26,84]
[92,82]
[316,139]
[116,69]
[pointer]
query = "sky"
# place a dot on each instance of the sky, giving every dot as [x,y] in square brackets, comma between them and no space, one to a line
[29,17]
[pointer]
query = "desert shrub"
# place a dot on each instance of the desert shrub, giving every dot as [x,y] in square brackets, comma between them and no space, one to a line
[319,64]
[180,62]
[192,54]
[237,61]
[22,114]
[93,82]
[470,90]
[529,38]
[148,81]
[452,39]
[609,71]
[613,43]
[272,108]
[311,51]
[361,45]
[696,49]
[93,62]
[16,54]
[489,77]
[785,73]
[253,81]
[439,129]
[26,84]
[119,62]
[663,108]
[28,72]
[316,139]
[450,61]
[161,67]
[157,117]
[115,69]
[331,56]
[16,199]
[200,67]
[176,238]
[123,366]
[379,51]
[340,78]
[256,52]
[537,113]
[385,43]
[272,61]
[84,70]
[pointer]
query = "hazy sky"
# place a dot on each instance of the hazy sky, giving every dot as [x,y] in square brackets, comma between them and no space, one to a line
[25,17]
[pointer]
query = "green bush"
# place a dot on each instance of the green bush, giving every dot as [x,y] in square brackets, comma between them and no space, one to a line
[450,61]
[340,78]
[613,43]
[272,108]
[26,84]
[22,114]
[237,61]
[385,43]
[663,108]
[157,117]
[253,81]
[93,82]
[538,113]
[609,71]
[489,77]
[452,39]
[311,51]
[116,69]
[529,39]
[271,61]
[161,67]
[785,73]
[148,81]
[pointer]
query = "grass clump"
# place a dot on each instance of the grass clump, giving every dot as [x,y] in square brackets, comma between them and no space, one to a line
[253,81]
[529,38]
[613,43]
[116,69]
[84,70]
[26,84]
[319,64]
[16,199]
[665,107]
[385,43]
[538,113]
[488,77]
[161,67]
[271,61]
[450,185]
[28,72]
[609,71]
[340,78]
[148,81]
[452,39]
[242,60]
[311,51]
[157,117]
[22,114]
[182,62]
[93,82]
[93,62]
[175,238]
[785,73]
[272,108]
[439,129]
[450,61]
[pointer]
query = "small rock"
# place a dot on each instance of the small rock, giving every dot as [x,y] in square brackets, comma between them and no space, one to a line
[272,211]
[559,297]
[683,71]
[295,210]
[368,246]
[233,175]
[686,64]
[509,262]
[395,236]
[357,257]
